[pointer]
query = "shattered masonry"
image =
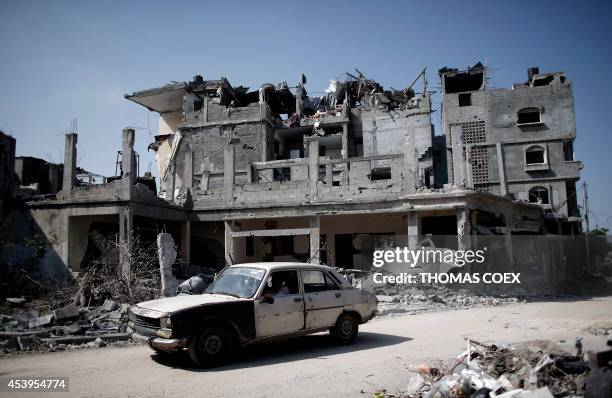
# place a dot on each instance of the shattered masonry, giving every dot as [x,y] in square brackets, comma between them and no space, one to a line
[275,174]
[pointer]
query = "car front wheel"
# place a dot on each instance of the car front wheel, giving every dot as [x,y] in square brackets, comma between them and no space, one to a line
[346,328]
[210,347]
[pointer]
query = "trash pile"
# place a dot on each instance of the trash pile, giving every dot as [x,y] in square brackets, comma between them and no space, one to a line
[62,328]
[535,369]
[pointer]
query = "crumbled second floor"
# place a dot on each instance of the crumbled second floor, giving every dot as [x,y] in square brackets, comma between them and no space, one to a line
[356,140]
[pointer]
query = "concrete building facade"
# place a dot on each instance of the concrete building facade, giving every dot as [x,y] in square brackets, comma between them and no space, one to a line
[516,142]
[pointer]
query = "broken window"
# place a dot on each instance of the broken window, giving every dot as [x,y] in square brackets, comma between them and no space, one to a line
[568,151]
[282,174]
[465,99]
[538,195]
[380,173]
[545,81]
[535,155]
[282,283]
[528,116]
[471,80]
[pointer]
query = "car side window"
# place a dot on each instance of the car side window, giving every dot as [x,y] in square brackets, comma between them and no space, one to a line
[317,281]
[282,283]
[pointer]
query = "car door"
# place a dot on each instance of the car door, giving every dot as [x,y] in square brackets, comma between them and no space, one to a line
[323,300]
[286,313]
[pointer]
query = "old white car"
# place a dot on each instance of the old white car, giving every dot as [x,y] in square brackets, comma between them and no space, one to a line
[249,303]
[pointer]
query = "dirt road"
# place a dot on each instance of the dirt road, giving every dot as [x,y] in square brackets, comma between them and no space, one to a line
[312,366]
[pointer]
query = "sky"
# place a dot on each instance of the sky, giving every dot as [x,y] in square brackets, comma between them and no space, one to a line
[66,60]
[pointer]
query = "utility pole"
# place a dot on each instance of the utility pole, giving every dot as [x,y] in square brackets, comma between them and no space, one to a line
[586,221]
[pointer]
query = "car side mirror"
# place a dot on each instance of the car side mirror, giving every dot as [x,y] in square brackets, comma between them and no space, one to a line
[267,298]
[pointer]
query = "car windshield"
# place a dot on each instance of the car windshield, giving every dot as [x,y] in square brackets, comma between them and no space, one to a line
[241,282]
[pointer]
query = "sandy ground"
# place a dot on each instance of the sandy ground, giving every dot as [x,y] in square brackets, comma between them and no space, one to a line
[312,366]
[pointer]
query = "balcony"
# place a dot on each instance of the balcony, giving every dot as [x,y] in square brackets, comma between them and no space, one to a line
[314,179]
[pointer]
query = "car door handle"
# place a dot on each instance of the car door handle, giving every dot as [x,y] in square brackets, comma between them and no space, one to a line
[297,299]
[338,294]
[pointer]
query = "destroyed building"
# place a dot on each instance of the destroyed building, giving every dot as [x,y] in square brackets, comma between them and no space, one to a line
[516,142]
[276,174]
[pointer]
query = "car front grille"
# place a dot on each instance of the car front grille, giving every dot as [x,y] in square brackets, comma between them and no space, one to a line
[143,324]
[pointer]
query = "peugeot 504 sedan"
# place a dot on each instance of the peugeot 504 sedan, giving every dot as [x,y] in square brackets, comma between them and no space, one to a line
[250,303]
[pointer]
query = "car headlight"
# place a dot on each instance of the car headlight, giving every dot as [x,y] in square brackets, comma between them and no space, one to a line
[166,322]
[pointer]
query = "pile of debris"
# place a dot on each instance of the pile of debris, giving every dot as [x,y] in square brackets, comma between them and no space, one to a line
[423,297]
[62,328]
[535,369]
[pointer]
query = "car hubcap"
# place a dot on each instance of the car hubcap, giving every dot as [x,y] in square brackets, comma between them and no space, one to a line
[212,345]
[346,327]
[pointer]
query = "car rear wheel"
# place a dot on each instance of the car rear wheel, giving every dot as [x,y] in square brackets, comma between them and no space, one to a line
[346,329]
[211,346]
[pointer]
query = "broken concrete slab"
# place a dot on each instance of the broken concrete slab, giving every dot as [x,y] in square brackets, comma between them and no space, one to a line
[108,338]
[66,314]
[109,305]
[23,319]
[73,328]
[41,321]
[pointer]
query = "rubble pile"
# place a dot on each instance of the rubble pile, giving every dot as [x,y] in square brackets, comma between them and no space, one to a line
[85,312]
[431,297]
[62,328]
[535,369]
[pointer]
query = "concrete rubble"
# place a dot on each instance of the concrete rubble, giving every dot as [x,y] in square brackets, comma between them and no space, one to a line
[63,328]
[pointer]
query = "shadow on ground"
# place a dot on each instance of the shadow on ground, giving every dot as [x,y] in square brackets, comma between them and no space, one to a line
[305,347]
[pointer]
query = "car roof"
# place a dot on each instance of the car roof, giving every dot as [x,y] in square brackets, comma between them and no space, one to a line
[280,265]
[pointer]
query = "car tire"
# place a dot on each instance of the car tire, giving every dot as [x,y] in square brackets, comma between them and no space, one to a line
[211,346]
[346,329]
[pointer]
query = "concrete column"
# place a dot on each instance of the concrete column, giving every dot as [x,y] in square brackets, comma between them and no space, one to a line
[188,170]
[128,158]
[410,162]
[170,182]
[313,168]
[501,166]
[166,252]
[464,241]
[345,141]
[331,248]
[228,172]
[413,221]
[64,237]
[229,244]
[458,159]
[329,175]
[315,239]
[186,241]
[70,163]
[469,181]
[126,221]
[508,236]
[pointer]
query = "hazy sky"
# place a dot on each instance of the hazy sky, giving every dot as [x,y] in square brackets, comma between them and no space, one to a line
[64,60]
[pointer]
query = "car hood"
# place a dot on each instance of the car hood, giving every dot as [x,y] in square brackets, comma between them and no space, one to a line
[184,301]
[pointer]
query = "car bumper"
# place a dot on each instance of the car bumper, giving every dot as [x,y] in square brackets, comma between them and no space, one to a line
[370,316]
[160,343]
